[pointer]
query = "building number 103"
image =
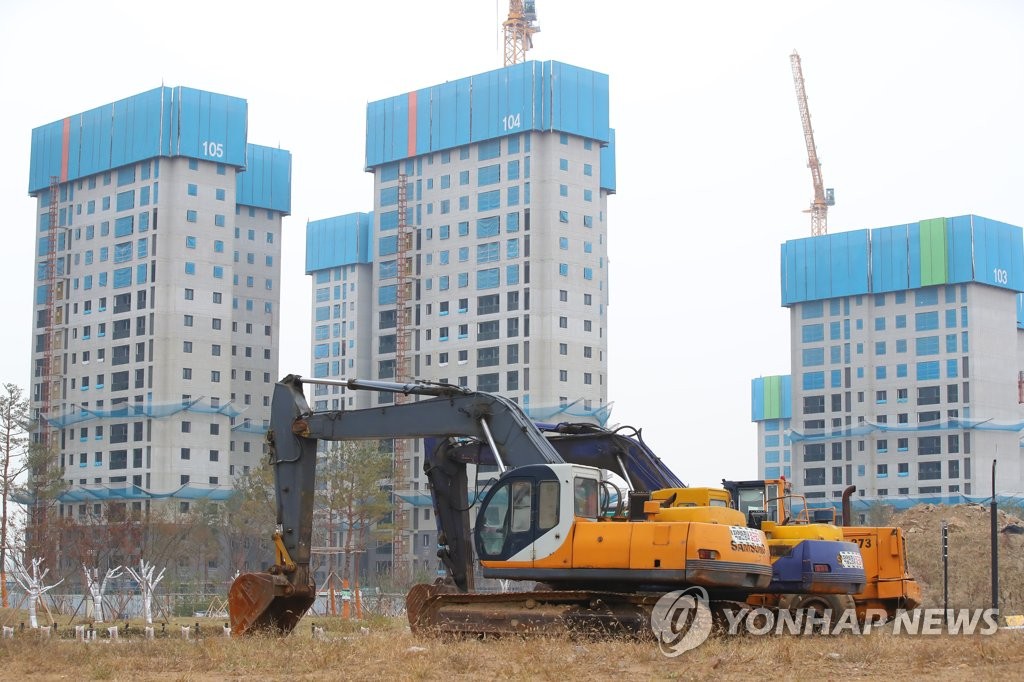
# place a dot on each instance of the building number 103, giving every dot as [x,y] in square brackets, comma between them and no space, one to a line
[512,121]
[213,149]
[1000,275]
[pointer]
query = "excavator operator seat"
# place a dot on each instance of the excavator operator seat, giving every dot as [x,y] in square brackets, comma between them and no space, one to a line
[636,505]
[756,517]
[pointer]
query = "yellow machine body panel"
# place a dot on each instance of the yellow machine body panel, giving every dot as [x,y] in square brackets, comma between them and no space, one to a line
[722,515]
[693,497]
[650,546]
[803,531]
[889,583]
[602,545]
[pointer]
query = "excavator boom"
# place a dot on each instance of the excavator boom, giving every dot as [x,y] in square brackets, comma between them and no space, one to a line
[278,598]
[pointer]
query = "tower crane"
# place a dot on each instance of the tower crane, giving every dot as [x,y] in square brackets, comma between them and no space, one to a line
[823,198]
[519,29]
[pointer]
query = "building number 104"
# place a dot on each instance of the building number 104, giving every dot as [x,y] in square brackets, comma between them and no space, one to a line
[213,149]
[512,121]
[1000,275]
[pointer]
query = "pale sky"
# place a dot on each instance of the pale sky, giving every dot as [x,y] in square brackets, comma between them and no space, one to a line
[917,111]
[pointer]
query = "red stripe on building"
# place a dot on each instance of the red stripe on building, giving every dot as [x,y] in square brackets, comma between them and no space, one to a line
[65,149]
[412,125]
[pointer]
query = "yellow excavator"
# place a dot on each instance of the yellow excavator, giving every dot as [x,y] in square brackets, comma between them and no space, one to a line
[543,520]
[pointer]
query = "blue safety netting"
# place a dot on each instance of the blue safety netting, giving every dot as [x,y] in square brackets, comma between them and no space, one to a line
[867,428]
[902,502]
[76,414]
[574,409]
[249,426]
[99,492]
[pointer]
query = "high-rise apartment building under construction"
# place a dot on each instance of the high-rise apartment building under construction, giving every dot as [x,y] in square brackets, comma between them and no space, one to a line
[156,298]
[484,262]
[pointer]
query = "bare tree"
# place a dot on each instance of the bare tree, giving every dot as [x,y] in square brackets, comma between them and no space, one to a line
[147,583]
[350,477]
[251,516]
[41,491]
[14,426]
[98,588]
[32,583]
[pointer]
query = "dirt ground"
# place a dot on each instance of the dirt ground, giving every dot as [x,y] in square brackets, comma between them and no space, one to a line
[970,574]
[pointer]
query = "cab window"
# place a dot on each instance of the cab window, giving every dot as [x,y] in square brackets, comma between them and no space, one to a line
[750,499]
[547,512]
[522,503]
[585,496]
[495,522]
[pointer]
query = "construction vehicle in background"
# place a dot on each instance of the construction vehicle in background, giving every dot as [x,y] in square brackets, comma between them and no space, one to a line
[544,520]
[770,505]
[884,549]
[786,520]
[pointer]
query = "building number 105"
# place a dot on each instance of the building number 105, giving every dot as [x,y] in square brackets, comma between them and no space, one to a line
[213,149]
[1000,275]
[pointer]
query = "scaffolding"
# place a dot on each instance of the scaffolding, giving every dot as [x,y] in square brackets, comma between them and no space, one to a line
[403,319]
[50,370]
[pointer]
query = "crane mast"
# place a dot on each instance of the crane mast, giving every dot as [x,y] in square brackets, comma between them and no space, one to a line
[519,29]
[822,198]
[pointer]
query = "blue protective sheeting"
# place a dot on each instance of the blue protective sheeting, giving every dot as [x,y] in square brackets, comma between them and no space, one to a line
[756,399]
[267,180]
[201,121]
[543,96]
[165,121]
[960,237]
[901,257]
[818,268]
[998,257]
[338,241]
[890,263]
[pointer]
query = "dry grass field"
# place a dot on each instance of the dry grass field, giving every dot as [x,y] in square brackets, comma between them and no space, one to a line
[387,651]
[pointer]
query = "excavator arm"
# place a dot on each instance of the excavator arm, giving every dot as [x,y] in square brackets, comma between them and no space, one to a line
[278,598]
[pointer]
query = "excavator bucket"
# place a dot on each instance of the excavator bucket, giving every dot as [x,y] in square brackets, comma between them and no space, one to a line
[266,602]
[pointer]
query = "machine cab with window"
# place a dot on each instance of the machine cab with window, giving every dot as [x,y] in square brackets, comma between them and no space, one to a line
[529,514]
[761,500]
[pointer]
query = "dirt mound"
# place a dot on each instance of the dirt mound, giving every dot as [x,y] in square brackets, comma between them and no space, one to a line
[969,554]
